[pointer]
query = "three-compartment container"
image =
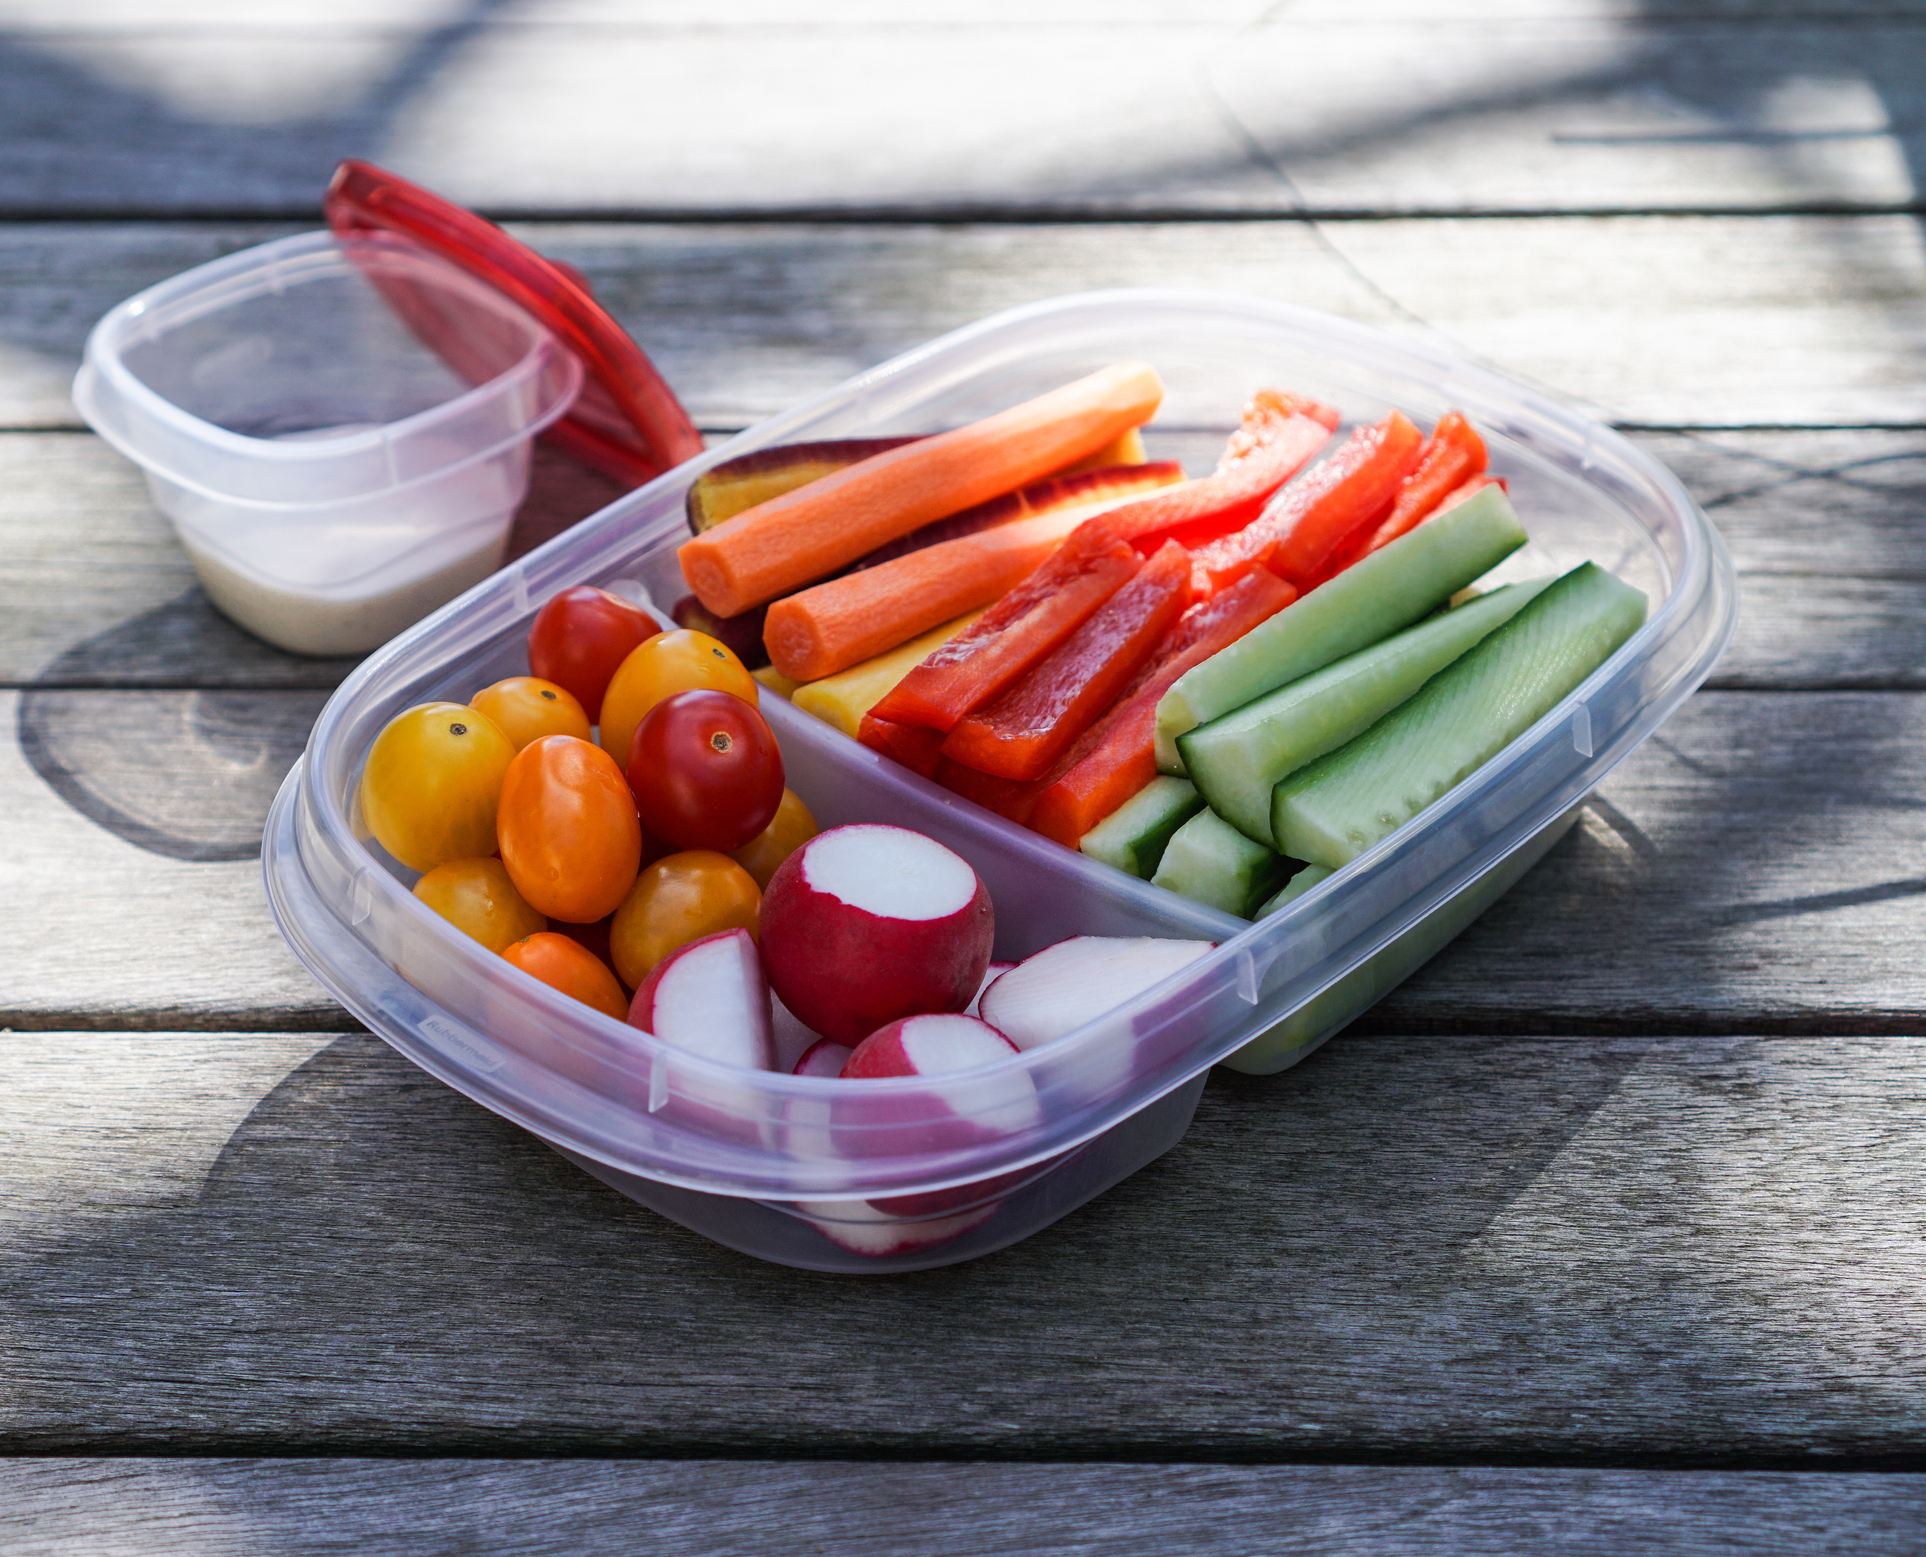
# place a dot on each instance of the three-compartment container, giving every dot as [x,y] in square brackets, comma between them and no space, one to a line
[903,1174]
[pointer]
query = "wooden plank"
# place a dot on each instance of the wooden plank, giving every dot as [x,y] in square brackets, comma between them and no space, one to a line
[1661,321]
[1685,1251]
[176,922]
[589,107]
[214,1507]
[1748,870]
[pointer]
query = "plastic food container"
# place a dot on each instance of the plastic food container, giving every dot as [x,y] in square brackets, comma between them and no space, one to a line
[332,478]
[893,1175]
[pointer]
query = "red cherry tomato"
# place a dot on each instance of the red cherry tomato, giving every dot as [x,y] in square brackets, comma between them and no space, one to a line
[581,636]
[705,771]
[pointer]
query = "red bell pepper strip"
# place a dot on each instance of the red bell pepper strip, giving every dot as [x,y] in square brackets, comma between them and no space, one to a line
[1452,455]
[1278,434]
[1314,516]
[1015,634]
[1006,797]
[1026,729]
[913,745]
[1117,755]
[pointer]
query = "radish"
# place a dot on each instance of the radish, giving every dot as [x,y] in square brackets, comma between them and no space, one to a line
[860,1228]
[825,1057]
[868,923]
[928,1045]
[990,975]
[793,1040]
[1078,980]
[709,997]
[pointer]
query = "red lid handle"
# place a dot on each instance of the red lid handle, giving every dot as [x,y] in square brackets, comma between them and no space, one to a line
[627,423]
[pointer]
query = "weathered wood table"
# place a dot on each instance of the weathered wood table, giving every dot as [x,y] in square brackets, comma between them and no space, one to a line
[1603,1233]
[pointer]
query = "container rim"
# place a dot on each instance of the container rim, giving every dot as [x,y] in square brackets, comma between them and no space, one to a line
[270,268]
[1692,623]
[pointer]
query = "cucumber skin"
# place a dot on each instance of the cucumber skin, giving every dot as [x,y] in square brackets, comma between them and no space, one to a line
[1350,612]
[1316,811]
[1211,862]
[1296,887]
[1134,836]
[1238,758]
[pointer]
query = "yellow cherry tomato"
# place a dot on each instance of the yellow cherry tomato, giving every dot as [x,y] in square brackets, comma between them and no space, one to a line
[431,784]
[668,663]
[478,899]
[527,708]
[678,899]
[789,829]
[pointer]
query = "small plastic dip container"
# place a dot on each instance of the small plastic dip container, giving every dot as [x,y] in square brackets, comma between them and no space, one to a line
[900,1174]
[332,477]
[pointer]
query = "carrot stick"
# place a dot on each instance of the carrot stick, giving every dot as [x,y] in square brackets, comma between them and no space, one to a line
[1278,434]
[1313,516]
[1452,455]
[843,699]
[1111,483]
[1014,634]
[817,632]
[1026,729]
[1117,755]
[801,536]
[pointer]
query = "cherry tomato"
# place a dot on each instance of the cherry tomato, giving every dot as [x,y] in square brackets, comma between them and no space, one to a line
[431,784]
[527,708]
[791,828]
[671,662]
[478,899]
[579,638]
[573,969]
[594,937]
[568,830]
[677,900]
[705,771]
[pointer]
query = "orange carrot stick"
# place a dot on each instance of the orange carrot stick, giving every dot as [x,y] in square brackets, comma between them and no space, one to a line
[817,632]
[801,536]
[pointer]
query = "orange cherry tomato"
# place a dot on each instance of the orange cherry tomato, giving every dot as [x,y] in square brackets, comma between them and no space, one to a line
[671,662]
[433,779]
[790,828]
[679,899]
[568,829]
[572,968]
[478,899]
[527,708]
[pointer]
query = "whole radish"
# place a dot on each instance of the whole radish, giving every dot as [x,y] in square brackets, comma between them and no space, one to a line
[868,923]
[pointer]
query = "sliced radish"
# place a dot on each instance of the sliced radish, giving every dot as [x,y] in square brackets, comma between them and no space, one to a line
[860,1228]
[1078,980]
[867,923]
[793,1040]
[990,975]
[825,1057]
[928,1046]
[709,997]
